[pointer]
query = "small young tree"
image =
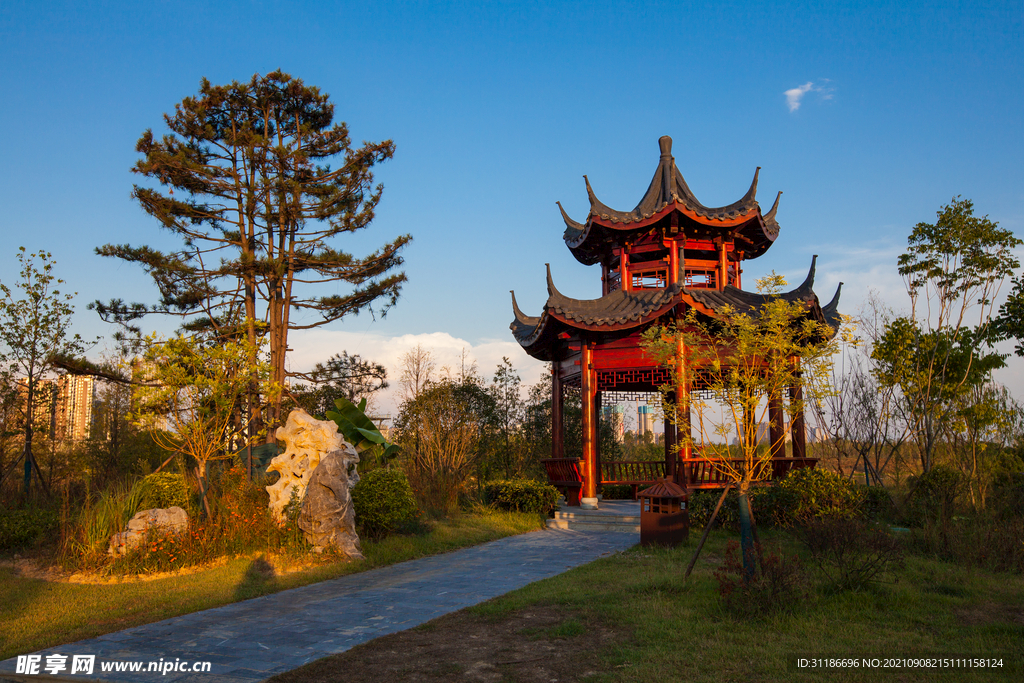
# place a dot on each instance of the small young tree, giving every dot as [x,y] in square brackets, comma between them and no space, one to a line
[34,329]
[440,432]
[191,392]
[983,413]
[742,358]
[508,417]
[862,415]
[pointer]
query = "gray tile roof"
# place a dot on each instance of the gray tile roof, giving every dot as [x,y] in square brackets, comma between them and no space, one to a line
[668,187]
[621,309]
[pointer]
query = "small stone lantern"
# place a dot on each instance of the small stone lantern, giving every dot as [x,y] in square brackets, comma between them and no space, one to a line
[664,517]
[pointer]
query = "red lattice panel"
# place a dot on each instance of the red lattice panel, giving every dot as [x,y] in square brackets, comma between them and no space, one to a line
[633,378]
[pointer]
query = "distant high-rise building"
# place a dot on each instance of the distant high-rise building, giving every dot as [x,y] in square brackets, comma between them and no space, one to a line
[75,398]
[63,407]
[645,419]
[764,433]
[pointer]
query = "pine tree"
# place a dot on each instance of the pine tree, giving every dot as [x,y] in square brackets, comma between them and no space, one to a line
[258,208]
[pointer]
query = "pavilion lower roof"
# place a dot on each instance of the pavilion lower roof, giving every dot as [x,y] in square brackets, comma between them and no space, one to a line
[621,310]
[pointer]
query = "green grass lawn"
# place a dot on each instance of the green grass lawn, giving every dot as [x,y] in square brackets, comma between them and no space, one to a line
[669,630]
[35,614]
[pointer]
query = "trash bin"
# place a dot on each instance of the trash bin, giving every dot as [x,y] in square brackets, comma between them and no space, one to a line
[664,517]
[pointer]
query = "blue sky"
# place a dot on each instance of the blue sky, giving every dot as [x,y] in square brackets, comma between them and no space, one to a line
[497,109]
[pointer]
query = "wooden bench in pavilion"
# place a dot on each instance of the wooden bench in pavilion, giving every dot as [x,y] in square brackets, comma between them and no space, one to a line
[566,474]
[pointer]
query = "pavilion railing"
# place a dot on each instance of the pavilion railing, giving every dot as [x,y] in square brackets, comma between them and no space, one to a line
[631,471]
[713,473]
[697,472]
[566,474]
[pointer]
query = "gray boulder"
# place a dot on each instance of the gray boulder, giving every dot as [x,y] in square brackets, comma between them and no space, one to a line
[166,520]
[328,517]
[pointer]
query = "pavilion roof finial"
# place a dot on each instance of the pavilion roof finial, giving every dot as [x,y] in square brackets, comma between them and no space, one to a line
[665,143]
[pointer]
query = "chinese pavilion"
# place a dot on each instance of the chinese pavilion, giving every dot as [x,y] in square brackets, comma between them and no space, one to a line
[669,254]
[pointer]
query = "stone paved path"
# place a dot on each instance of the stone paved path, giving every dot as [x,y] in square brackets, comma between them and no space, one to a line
[252,640]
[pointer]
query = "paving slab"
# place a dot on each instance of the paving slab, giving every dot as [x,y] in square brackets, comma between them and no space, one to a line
[250,641]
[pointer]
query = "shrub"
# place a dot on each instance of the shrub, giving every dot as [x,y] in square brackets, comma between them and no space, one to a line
[851,552]
[1007,497]
[521,495]
[617,491]
[814,494]
[240,523]
[779,586]
[101,516]
[763,504]
[980,541]
[934,496]
[24,528]
[877,504]
[383,502]
[164,490]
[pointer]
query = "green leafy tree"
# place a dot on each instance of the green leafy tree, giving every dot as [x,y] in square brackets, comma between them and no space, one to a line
[537,423]
[984,413]
[1010,322]
[34,329]
[265,182]
[508,418]
[742,358]
[953,269]
[440,432]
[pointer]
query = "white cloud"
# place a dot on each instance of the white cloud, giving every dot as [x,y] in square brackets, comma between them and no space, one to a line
[794,96]
[315,346]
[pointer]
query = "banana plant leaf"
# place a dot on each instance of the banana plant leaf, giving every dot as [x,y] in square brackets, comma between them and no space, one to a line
[359,430]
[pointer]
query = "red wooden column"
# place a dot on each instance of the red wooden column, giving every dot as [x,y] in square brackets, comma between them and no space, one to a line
[557,425]
[625,282]
[776,429]
[796,395]
[723,266]
[597,439]
[588,389]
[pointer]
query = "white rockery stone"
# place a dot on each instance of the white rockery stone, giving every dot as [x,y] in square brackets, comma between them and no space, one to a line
[307,440]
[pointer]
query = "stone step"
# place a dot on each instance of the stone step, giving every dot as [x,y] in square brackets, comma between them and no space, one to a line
[619,516]
[603,525]
[594,516]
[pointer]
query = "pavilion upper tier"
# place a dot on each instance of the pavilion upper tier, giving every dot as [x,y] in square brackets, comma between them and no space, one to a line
[668,255]
[669,204]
